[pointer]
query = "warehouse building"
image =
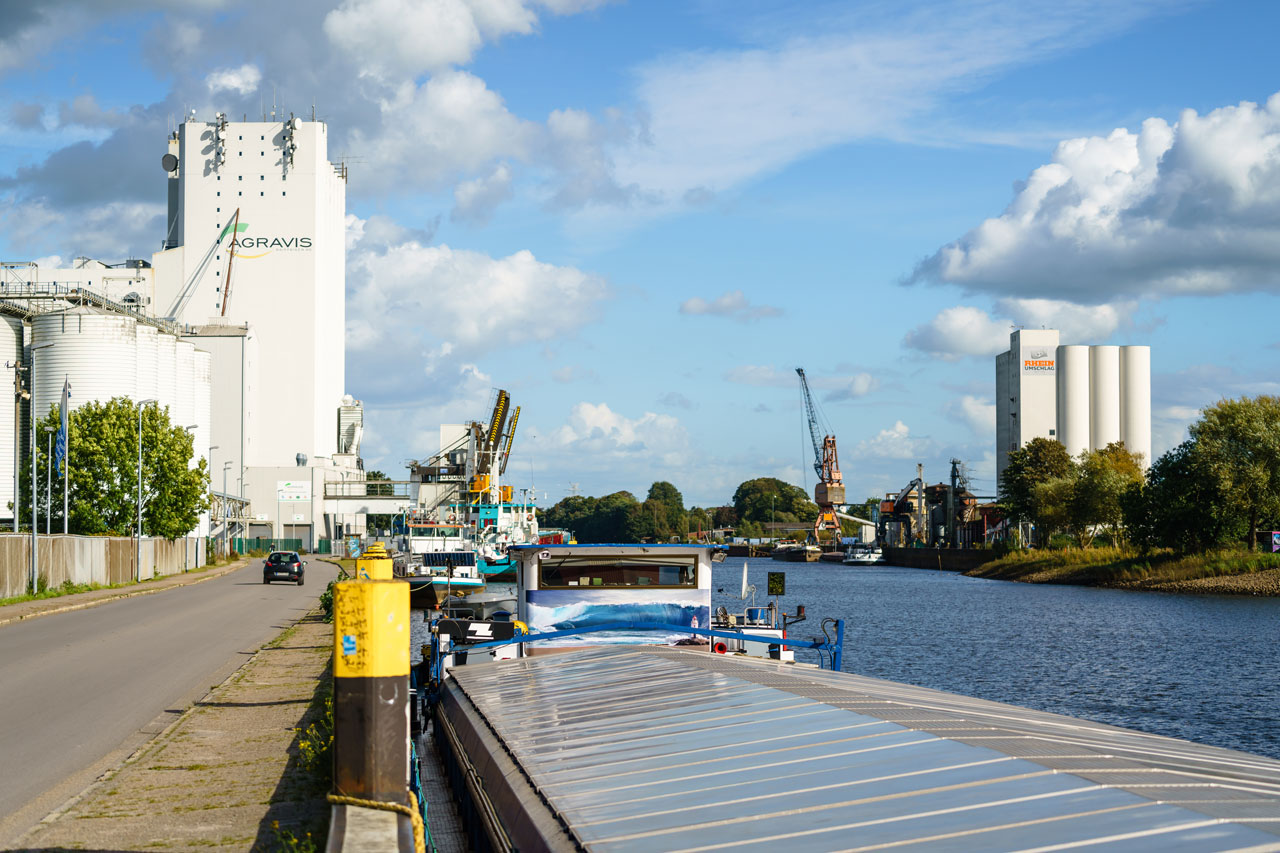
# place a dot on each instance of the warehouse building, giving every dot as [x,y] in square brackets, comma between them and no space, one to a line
[1086,397]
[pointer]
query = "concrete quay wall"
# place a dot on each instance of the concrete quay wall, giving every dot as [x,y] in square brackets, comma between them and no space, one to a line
[938,559]
[92,559]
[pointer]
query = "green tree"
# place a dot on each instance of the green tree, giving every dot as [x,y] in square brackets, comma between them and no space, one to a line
[1038,461]
[375,481]
[1180,505]
[613,518]
[1054,499]
[1238,448]
[766,499]
[103,472]
[697,519]
[1102,478]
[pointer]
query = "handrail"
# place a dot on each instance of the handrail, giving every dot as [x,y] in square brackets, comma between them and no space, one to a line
[834,648]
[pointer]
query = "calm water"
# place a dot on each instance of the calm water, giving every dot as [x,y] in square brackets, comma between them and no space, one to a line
[1203,668]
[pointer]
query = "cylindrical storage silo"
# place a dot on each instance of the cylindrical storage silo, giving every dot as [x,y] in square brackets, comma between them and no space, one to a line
[183,412]
[10,351]
[146,362]
[166,370]
[203,390]
[95,349]
[1104,396]
[1135,401]
[1073,398]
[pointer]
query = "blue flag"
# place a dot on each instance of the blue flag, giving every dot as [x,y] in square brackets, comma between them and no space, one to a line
[60,449]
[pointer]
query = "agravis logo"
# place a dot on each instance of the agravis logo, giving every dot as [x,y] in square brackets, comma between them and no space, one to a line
[245,244]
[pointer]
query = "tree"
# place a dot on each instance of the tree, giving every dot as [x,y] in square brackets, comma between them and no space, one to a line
[1179,506]
[1039,461]
[1054,499]
[613,518]
[767,499]
[375,486]
[1102,479]
[1238,448]
[103,472]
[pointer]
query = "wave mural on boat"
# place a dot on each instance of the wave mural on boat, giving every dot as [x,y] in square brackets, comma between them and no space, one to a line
[560,609]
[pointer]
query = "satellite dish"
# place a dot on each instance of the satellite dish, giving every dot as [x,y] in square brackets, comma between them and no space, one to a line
[296,123]
[169,162]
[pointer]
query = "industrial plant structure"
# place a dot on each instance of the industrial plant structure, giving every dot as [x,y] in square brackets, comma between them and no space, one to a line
[236,325]
[1084,396]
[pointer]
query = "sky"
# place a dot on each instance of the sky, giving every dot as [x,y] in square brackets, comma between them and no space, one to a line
[640,217]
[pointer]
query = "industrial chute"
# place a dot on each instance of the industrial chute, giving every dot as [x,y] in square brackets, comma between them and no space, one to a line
[231,256]
[829,491]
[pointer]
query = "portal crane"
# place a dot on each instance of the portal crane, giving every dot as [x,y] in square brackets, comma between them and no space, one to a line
[829,491]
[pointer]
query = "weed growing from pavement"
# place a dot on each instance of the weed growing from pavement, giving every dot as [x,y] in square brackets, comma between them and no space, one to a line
[287,841]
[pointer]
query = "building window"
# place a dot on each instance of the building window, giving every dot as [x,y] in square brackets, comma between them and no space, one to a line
[262,138]
[219,210]
[240,193]
[282,192]
[262,177]
[239,177]
[219,192]
[261,194]
[241,138]
[219,177]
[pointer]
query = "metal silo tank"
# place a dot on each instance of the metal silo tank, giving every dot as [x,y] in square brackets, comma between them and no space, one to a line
[10,351]
[95,349]
[1104,396]
[1073,398]
[1135,400]
[203,389]
[166,370]
[183,412]
[146,362]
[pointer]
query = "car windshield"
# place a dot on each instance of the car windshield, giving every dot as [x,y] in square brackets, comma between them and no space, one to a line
[282,558]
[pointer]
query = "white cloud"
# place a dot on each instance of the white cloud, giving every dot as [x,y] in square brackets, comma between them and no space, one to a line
[476,200]
[595,436]
[1192,207]
[732,304]
[110,230]
[964,330]
[433,309]
[959,331]
[859,385]
[451,124]
[896,442]
[242,81]
[976,413]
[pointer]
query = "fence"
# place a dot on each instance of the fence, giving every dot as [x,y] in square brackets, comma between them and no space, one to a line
[244,546]
[92,559]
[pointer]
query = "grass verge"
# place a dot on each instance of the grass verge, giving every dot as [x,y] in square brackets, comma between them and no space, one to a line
[1218,571]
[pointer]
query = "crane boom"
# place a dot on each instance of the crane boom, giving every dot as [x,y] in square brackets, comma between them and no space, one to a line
[814,432]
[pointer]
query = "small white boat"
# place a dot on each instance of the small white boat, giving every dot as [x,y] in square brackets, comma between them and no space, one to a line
[862,555]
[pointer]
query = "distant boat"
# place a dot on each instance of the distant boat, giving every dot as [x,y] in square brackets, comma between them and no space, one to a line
[862,555]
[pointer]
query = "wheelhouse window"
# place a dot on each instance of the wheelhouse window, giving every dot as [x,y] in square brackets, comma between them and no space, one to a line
[571,572]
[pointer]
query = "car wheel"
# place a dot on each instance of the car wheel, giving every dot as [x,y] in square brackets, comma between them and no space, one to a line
[266,580]
[299,581]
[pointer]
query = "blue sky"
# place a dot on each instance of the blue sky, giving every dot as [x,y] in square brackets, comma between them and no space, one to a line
[640,217]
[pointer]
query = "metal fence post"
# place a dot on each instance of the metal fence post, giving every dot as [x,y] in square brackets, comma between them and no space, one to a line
[371,690]
[837,656]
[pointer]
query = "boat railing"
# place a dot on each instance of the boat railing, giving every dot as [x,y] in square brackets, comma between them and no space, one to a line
[830,650]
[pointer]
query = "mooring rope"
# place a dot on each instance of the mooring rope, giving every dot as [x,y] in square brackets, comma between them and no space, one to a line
[415,816]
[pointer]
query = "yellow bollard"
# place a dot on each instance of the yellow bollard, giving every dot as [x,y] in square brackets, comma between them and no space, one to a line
[371,690]
[374,564]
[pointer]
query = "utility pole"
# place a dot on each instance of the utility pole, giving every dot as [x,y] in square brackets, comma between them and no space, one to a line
[137,548]
[951,503]
[35,523]
[48,482]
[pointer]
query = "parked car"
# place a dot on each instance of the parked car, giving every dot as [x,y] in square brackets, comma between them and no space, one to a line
[283,565]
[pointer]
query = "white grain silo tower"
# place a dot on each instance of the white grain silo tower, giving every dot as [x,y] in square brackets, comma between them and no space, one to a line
[10,351]
[183,410]
[203,373]
[1073,398]
[96,349]
[1135,400]
[1104,397]
[147,376]
[166,369]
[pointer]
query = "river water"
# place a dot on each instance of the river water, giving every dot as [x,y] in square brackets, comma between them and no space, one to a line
[1204,668]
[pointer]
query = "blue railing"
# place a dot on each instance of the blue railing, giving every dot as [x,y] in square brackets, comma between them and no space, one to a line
[829,651]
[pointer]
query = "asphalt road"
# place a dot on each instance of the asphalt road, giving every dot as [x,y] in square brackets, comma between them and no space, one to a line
[80,691]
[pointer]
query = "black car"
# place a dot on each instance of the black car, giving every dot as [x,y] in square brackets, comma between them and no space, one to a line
[283,566]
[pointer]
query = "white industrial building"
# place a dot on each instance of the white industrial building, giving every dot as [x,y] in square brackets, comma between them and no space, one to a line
[237,325]
[1084,396]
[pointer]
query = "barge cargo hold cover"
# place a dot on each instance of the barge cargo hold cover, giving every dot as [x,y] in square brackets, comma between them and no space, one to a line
[660,749]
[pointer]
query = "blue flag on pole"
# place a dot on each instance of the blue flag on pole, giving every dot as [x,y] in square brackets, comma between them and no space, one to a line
[60,449]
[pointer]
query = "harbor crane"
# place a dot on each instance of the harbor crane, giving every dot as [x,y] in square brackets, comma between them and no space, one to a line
[829,491]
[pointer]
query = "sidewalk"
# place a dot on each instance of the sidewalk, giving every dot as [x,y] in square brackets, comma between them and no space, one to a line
[80,600]
[224,775]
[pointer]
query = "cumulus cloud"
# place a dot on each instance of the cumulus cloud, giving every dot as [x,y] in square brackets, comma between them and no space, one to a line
[964,330]
[415,305]
[595,432]
[27,116]
[896,442]
[475,200]
[1192,207]
[732,304]
[242,81]
[858,385]
[976,413]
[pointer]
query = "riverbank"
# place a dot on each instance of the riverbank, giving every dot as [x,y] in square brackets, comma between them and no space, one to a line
[1216,573]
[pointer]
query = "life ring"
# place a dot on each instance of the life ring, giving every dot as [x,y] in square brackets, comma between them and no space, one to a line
[452,517]
[529,517]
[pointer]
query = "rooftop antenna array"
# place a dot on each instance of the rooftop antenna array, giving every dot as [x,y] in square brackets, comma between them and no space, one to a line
[219,139]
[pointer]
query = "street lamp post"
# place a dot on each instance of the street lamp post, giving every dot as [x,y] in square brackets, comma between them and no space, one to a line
[35,522]
[137,552]
[48,482]
[226,520]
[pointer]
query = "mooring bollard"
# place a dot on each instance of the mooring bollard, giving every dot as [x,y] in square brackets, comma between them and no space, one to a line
[375,564]
[371,690]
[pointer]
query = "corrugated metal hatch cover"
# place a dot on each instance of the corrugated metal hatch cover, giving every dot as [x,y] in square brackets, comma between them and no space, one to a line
[660,749]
